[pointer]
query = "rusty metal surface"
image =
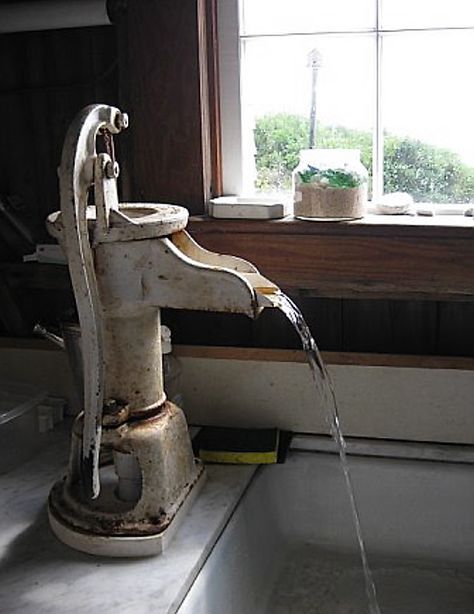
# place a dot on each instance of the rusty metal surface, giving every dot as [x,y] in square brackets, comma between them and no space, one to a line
[163,450]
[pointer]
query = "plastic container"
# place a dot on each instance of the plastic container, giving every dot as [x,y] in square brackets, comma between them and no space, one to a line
[330,184]
[19,431]
[171,369]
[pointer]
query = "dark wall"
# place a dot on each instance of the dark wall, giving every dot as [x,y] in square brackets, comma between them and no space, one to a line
[344,325]
[45,78]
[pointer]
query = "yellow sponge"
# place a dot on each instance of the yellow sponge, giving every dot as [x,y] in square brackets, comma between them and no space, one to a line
[240,446]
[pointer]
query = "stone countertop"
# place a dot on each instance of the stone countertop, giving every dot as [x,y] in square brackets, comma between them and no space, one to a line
[39,574]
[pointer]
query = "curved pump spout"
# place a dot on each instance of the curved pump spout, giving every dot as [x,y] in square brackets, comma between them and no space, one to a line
[264,292]
[175,272]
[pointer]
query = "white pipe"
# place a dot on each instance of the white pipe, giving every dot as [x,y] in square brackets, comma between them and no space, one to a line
[52,15]
[412,450]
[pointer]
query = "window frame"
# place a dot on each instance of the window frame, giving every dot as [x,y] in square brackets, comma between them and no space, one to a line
[231,134]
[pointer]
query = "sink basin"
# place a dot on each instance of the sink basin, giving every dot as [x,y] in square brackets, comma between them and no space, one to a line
[290,546]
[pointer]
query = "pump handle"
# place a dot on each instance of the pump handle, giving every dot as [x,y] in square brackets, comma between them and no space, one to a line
[77,174]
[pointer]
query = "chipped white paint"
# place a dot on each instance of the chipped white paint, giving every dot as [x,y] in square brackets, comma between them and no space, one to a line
[76,175]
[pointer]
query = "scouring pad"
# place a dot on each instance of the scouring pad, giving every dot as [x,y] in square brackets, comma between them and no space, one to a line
[241,446]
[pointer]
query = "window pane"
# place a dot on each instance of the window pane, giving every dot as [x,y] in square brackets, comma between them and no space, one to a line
[277,86]
[428,115]
[271,16]
[398,14]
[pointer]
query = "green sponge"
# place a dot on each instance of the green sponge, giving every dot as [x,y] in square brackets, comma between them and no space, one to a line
[241,446]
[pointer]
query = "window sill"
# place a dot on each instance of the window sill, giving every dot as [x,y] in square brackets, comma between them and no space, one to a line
[380,256]
[455,226]
[401,257]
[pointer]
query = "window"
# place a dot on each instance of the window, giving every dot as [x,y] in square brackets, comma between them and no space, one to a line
[391,78]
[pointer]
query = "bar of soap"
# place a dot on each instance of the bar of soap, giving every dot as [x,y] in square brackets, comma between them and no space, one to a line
[395,203]
[237,207]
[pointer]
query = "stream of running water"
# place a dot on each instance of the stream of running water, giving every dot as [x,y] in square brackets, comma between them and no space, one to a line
[325,391]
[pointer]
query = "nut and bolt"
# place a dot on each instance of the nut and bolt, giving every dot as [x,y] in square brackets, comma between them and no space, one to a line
[111,169]
[114,413]
[121,121]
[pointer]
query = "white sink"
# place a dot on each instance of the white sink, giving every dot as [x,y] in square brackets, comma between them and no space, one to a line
[290,546]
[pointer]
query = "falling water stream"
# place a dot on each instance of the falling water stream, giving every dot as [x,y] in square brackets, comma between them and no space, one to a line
[325,391]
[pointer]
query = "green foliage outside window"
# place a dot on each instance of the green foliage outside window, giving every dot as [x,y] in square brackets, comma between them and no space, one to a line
[428,173]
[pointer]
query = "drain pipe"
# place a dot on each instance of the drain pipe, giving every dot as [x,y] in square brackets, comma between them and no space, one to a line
[53,15]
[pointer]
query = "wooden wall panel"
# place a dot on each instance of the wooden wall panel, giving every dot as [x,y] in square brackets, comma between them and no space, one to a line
[351,260]
[45,79]
[455,332]
[203,328]
[379,326]
[325,319]
[163,86]
[398,327]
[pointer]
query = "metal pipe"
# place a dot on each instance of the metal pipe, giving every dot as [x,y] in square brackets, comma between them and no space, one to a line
[52,15]
[41,330]
[314,62]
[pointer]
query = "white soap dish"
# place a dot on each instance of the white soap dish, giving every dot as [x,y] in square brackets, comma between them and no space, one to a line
[247,208]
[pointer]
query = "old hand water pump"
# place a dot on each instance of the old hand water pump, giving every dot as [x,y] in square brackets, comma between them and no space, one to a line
[127,261]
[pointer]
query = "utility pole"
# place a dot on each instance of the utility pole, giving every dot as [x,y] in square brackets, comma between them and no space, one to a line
[315,63]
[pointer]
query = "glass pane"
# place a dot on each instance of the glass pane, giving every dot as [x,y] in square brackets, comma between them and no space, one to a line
[294,16]
[280,88]
[428,116]
[398,14]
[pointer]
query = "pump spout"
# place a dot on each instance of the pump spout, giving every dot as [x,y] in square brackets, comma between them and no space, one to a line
[175,272]
[266,292]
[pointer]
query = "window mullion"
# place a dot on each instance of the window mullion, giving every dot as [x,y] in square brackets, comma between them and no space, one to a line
[378,144]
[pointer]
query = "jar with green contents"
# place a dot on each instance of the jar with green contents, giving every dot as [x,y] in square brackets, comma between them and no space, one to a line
[330,184]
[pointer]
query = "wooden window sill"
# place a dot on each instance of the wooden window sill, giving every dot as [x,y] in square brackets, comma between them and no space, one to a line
[407,257]
[399,257]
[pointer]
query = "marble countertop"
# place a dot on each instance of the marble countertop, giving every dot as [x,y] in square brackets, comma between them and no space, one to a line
[38,574]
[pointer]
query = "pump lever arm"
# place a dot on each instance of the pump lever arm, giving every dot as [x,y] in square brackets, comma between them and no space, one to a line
[77,174]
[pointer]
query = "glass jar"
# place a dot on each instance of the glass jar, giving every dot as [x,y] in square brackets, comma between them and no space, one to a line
[330,184]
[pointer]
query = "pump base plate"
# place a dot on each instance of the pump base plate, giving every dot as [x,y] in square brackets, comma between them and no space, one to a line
[134,546]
